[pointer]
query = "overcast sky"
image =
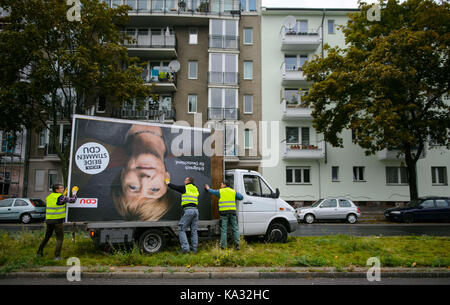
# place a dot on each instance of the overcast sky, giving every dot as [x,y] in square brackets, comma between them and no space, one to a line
[313,3]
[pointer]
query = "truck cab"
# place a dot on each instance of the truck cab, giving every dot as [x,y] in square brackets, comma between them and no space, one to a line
[262,211]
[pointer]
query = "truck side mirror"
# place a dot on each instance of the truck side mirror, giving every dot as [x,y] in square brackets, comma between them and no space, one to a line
[276,194]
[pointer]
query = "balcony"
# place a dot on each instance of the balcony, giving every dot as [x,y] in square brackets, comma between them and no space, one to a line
[163,82]
[223,114]
[393,154]
[292,40]
[303,152]
[181,8]
[223,42]
[293,76]
[153,46]
[223,78]
[295,111]
[159,115]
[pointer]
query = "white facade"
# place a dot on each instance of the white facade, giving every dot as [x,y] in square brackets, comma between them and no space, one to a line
[304,170]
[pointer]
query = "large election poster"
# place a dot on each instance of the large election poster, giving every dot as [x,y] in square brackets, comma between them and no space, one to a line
[121,166]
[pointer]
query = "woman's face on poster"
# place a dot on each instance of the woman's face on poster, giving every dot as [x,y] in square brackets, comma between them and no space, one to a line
[144,176]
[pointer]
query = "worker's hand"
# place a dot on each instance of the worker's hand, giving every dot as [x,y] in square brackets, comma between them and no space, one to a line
[206,186]
[65,192]
[167,180]
[75,190]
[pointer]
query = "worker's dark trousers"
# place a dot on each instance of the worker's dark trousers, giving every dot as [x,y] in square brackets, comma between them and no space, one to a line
[58,228]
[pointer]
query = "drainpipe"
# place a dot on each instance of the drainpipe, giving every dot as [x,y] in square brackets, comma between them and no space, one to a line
[321,50]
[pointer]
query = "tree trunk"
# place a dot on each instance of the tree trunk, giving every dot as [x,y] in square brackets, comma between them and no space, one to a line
[412,173]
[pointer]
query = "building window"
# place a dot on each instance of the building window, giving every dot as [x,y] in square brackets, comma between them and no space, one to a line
[396,175]
[248,104]
[42,138]
[52,178]
[223,69]
[222,104]
[298,175]
[193,36]
[248,70]
[293,133]
[439,175]
[294,62]
[192,103]
[101,104]
[248,5]
[335,173]
[193,69]
[223,34]
[248,36]
[358,173]
[39,180]
[248,138]
[331,27]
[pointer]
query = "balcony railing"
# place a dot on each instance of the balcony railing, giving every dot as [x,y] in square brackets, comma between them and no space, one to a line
[181,7]
[223,113]
[295,111]
[153,41]
[304,151]
[160,77]
[145,114]
[223,78]
[223,42]
[292,75]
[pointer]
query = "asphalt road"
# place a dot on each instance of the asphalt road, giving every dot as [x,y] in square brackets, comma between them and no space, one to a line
[223,282]
[318,229]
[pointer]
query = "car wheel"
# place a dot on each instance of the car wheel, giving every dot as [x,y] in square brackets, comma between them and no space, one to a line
[151,241]
[25,218]
[408,218]
[309,218]
[276,233]
[351,218]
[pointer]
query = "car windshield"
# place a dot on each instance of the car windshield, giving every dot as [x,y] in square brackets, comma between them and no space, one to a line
[316,203]
[414,203]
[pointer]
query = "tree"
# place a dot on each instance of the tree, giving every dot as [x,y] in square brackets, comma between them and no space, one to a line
[51,68]
[388,82]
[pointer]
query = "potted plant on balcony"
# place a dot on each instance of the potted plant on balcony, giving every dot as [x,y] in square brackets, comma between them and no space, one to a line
[203,7]
[165,77]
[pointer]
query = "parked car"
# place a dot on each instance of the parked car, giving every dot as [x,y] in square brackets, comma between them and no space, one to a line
[23,209]
[430,208]
[330,208]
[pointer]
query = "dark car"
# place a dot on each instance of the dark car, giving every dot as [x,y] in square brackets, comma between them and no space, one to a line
[423,209]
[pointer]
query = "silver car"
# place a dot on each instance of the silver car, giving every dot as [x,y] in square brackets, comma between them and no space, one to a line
[23,209]
[329,208]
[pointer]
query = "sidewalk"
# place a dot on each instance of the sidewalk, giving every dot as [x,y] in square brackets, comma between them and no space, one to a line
[144,272]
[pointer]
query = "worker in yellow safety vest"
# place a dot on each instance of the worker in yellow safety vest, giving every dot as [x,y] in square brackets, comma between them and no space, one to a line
[227,211]
[55,215]
[189,204]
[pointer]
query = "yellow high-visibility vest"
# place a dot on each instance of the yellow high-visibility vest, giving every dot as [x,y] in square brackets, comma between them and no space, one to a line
[227,200]
[191,195]
[54,211]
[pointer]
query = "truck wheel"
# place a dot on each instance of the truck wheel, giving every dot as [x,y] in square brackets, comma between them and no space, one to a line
[151,241]
[276,233]
[25,218]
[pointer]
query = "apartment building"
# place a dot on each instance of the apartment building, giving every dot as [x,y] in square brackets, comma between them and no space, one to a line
[308,167]
[217,45]
[12,162]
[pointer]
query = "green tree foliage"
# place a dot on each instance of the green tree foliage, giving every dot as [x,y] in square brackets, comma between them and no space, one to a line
[51,67]
[388,82]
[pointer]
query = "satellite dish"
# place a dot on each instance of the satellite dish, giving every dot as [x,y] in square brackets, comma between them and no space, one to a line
[290,22]
[174,66]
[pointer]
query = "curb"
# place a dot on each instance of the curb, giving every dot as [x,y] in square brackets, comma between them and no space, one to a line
[223,275]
